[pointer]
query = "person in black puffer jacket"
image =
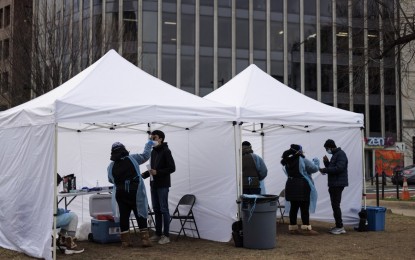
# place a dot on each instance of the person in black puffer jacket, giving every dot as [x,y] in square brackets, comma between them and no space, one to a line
[336,169]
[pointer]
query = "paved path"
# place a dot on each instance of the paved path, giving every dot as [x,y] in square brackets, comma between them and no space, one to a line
[406,208]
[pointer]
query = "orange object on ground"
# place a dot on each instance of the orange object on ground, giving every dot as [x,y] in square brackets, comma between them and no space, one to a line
[405,190]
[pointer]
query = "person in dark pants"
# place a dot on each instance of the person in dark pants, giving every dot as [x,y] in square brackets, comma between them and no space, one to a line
[336,169]
[129,189]
[162,165]
[299,188]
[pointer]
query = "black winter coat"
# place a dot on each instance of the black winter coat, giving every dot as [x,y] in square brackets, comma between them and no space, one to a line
[336,169]
[162,161]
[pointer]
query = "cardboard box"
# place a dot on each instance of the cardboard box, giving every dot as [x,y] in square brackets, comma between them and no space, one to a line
[103,231]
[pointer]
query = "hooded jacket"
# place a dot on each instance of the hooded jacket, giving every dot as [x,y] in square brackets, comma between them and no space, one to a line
[336,169]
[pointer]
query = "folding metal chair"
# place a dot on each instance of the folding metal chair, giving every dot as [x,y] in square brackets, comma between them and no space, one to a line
[150,220]
[280,206]
[184,213]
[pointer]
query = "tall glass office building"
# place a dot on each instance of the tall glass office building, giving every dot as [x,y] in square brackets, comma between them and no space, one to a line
[325,49]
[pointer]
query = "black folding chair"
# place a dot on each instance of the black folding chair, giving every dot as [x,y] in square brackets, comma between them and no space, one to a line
[184,213]
[280,206]
[150,220]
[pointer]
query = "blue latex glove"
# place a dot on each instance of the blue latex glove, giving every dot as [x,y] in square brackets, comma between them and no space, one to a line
[316,162]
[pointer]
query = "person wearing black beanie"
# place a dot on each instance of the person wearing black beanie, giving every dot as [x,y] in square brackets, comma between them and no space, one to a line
[299,188]
[254,170]
[337,179]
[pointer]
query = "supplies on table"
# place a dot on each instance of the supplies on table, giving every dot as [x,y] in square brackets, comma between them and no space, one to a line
[69,183]
[103,227]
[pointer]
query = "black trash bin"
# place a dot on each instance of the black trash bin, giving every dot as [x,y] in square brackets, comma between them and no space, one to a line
[259,221]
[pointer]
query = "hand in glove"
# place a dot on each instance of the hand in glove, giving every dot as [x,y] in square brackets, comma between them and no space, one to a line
[316,162]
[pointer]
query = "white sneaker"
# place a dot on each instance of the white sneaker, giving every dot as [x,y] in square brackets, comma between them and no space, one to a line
[164,240]
[154,238]
[338,231]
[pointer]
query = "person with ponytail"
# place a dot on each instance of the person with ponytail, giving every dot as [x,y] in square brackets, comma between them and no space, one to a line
[299,188]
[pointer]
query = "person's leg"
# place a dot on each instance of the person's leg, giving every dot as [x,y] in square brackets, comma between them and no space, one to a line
[335,198]
[144,235]
[306,228]
[73,224]
[163,194]
[157,213]
[305,212]
[295,205]
[124,209]
[71,247]
[293,227]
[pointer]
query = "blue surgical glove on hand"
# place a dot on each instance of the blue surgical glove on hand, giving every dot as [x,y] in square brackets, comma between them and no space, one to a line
[149,142]
[316,162]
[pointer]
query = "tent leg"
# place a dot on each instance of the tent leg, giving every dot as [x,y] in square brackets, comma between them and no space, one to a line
[363,167]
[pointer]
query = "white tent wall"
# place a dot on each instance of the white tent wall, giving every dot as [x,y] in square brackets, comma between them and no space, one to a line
[26,191]
[279,140]
[205,167]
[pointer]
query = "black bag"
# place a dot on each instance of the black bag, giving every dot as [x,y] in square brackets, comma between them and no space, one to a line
[363,224]
[237,233]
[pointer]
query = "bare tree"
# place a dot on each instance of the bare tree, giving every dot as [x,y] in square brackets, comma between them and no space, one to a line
[50,47]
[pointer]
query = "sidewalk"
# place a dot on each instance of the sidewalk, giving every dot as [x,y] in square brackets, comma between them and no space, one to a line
[406,208]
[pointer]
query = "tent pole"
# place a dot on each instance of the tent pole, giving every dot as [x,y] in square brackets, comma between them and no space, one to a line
[240,158]
[363,166]
[237,163]
[262,141]
[55,191]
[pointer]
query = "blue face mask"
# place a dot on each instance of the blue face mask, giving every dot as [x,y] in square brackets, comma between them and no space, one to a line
[328,151]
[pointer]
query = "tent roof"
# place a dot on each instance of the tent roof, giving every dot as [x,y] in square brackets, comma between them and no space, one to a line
[113,90]
[260,98]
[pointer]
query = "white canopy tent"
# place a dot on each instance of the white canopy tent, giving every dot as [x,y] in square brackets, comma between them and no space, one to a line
[272,116]
[71,128]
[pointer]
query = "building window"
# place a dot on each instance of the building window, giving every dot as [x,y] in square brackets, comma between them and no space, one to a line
[7,15]
[206,78]
[374,119]
[224,32]
[5,82]
[5,49]
[390,121]
[1,18]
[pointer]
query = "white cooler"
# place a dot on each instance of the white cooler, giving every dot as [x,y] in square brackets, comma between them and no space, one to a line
[103,231]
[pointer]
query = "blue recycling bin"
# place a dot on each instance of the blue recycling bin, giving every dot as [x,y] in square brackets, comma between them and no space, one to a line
[376,218]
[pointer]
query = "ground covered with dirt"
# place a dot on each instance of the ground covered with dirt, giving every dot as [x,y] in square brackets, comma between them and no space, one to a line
[396,242]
